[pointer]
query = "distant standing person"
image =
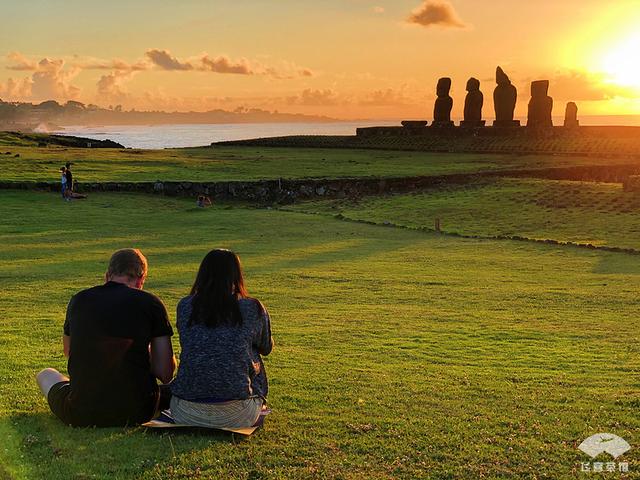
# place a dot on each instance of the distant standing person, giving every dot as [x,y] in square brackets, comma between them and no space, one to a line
[63,181]
[69,176]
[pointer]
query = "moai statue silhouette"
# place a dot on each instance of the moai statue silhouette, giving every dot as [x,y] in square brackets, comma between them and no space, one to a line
[540,105]
[443,105]
[504,101]
[571,115]
[473,105]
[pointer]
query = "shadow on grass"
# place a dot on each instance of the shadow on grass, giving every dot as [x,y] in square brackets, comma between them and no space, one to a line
[49,449]
[617,264]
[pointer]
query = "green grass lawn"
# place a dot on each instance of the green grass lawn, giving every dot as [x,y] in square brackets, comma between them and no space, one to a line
[399,354]
[254,163]
[596,213]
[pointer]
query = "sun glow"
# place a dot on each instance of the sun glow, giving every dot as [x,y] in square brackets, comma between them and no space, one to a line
[621,63]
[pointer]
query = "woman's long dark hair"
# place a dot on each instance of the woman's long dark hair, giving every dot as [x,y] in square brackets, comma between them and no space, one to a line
[218,287]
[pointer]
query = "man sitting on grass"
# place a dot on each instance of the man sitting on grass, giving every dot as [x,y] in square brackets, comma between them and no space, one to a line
[117,339]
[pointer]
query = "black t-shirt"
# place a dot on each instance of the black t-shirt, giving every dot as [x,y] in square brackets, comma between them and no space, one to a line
[110,327]
[69,176]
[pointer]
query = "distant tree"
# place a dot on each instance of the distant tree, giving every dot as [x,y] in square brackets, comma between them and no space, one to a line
[73,108]
[118,108]
[75,105]
[7,111]
[51,106]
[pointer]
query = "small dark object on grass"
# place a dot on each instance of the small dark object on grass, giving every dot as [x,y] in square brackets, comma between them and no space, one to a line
[203,201]
[16,155]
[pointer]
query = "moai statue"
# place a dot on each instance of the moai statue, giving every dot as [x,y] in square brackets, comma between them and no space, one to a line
[444,104]
[571,115]
[473,105]
[504,101]
[540,105]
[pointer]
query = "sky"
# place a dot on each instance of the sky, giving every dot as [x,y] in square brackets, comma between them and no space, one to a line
[349,59]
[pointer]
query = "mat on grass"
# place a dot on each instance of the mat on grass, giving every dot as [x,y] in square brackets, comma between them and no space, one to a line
[165,420]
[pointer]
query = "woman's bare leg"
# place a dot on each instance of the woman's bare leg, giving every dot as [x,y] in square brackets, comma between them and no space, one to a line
[47,378]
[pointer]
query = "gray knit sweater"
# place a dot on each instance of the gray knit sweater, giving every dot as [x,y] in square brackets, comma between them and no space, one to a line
[223,363]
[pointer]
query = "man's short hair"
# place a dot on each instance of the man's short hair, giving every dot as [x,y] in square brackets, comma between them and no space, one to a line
[128,262]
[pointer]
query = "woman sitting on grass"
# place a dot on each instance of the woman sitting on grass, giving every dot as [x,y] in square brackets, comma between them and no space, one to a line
[221,382]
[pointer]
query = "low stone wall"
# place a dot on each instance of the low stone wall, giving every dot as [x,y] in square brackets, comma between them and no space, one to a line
[285,191]
[263,192]
[631,183]
[612,142]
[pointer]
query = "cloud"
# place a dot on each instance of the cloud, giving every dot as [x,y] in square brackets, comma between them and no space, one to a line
[285,71]
[315,97]
[576,85]
[389,97]
[50,79]
[13,90]
[111,86]
[223,64]
[164,60]
[378,9]
[436,13]
[21,62]
[385,98]
[115,64]
[53,81]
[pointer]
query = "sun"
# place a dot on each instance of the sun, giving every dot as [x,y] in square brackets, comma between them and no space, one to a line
[620,63]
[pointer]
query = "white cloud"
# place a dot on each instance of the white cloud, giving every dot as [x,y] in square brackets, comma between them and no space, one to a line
[436,13]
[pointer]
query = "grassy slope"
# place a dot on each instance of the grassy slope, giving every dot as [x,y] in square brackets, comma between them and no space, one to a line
[253,163]
[597,213]
[398,353]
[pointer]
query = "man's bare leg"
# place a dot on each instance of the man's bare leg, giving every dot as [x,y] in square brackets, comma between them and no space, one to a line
[47,378]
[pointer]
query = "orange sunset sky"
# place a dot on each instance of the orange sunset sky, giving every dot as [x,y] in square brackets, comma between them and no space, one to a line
[341,58]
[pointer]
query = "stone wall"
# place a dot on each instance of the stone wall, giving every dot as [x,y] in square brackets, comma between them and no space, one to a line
[610,141]
[291,190]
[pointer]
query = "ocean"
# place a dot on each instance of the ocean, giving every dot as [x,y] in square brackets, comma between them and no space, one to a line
[193,135]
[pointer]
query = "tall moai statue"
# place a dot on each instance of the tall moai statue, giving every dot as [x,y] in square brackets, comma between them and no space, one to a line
[540,105]
[571,115]
[444,104]
[473,105]
[504,101]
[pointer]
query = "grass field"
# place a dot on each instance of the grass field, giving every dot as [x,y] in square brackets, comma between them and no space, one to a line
[582,212]
[399,354]
[254,163]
